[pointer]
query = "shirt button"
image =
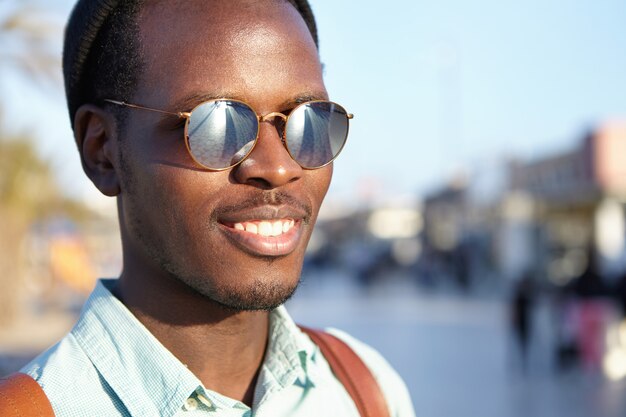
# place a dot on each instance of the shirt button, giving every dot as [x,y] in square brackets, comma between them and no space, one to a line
[191,404]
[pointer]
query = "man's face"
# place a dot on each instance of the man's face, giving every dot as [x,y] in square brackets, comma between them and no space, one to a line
[180,218]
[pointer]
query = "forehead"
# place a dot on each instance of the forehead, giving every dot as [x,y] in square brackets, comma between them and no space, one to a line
[246,48]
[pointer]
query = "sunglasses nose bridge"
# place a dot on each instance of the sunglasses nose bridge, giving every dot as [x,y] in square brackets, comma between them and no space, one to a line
[280,127]
[272,115]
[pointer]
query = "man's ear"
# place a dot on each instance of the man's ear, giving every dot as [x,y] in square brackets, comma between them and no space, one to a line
[96,136]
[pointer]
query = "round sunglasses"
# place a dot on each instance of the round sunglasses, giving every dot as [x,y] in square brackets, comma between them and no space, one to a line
[221,133]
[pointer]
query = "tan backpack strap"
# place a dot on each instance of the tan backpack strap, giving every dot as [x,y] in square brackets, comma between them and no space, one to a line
[21,396]
[352,373]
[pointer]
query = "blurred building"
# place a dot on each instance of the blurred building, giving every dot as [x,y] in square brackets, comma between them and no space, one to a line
[367,240]
[570,207]
[547,217]
[459,221]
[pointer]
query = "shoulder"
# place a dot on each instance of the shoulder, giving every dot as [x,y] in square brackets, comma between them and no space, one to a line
[68,377]
[393,387]
[58,363]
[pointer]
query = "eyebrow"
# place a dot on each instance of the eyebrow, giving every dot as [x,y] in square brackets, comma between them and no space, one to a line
[187,103]
[303,98]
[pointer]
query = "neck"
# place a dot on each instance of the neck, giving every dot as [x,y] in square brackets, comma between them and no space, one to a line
[222,347]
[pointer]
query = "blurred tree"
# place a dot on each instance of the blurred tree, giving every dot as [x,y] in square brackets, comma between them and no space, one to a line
[30,33]
[28,193]
[26,187]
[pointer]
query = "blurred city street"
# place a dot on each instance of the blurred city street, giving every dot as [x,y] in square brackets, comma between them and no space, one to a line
[453,350]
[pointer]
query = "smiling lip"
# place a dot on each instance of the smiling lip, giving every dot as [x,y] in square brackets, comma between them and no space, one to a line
[265,231]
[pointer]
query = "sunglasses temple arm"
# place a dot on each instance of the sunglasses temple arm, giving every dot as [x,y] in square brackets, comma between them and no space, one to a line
[182,115]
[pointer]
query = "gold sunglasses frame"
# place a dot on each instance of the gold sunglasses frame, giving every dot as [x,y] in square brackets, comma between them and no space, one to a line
[260,119]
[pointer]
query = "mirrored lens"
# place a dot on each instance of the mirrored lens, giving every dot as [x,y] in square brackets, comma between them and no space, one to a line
[221,133]
[316,133]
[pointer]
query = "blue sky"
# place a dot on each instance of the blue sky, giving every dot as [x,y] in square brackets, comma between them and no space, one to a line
[436,87]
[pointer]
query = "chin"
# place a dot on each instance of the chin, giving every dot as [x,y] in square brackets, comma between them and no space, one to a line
[259,298]
[264,292]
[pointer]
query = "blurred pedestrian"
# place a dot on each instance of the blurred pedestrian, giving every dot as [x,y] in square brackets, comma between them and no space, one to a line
[521,318]
[593,309]
[567,327]
[620,293]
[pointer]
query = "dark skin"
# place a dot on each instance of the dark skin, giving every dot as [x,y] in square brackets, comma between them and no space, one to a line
[196,289]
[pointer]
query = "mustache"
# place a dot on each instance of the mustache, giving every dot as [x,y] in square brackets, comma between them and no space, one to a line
[266,198]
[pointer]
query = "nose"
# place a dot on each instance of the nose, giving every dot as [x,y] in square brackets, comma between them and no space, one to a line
[269,165]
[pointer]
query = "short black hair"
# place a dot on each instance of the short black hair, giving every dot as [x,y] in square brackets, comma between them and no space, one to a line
[101,57]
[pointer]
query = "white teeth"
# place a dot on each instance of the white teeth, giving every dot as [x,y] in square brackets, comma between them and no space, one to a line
[265,229]
[252,228]
[277,228]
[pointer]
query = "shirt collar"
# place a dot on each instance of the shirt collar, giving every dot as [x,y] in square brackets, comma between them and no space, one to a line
[289,359]
[150,380]
[146,377]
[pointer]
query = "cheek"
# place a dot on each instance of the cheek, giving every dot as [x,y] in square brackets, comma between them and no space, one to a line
[164,202]
[157,167]
[320,182]
[148,145]
[178,197]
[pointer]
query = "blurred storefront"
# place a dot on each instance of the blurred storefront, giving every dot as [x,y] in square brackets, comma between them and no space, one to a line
[546,217]
[460,228]
[566,209]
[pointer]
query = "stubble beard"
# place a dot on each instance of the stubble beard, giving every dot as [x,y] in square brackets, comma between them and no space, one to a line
[260,293]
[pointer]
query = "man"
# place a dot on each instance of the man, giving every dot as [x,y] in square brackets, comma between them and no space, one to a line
[179,110]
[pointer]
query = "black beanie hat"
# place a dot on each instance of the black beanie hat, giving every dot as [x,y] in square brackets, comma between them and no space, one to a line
[86,21]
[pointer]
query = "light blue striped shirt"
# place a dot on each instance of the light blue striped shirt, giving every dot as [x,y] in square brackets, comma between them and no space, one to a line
[111,365]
